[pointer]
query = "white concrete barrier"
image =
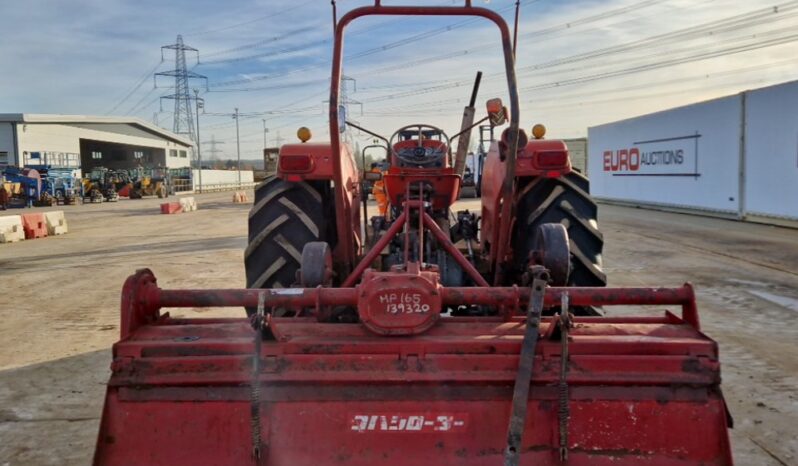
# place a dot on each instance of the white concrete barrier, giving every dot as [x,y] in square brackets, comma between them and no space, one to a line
[11,229]
[56,222]
[188,204]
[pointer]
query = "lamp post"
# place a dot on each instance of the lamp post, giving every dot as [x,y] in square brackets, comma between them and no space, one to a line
[238,149]
[199,152]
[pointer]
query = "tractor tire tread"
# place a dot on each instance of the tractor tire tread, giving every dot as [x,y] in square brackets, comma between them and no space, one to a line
[563,200]
[284,217]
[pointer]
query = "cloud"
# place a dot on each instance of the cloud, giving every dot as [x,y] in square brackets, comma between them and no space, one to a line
[84,56]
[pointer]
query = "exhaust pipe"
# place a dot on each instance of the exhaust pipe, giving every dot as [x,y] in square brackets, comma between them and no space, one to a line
[465,128]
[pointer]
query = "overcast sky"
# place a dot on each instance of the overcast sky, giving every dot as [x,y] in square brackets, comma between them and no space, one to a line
[580,63]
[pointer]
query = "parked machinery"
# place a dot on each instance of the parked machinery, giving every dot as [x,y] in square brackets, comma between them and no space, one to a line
[23,186]
[452,338]
[59,185]
[270,155]
[179,180]
[149,182]
[102,184]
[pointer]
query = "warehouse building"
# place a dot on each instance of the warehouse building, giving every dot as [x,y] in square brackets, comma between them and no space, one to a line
[84,142]
[736,156]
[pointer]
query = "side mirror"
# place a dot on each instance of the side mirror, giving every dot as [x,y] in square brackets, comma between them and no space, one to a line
[372,176]
[497,112]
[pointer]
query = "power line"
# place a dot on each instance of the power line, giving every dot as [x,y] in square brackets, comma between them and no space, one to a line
[138,107]
[251,21]
[734,23]
[626,71]
[271,53]
[677,61]
[693,33]
[648,95]
[438,58]
[259,43]
[135,88]
[554,68]
[274,87]
[541,32]
[658,40]
[563,99]
[301,47]
[286,109]
[401,42]
[383,48]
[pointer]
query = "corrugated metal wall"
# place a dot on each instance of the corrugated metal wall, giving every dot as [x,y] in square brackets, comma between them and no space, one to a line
[736,155]
[771,151]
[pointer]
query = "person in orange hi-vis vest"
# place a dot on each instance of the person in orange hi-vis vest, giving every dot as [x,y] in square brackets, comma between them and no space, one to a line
[378,190]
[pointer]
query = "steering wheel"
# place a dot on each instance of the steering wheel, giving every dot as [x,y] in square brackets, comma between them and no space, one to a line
[420,154]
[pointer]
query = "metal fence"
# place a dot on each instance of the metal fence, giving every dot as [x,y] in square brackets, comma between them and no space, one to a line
[208,188]
[182,185]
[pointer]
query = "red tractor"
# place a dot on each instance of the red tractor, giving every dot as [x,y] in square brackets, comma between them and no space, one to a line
[444,338]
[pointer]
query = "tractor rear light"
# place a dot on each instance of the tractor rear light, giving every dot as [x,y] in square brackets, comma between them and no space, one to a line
[552,159]
[296,163]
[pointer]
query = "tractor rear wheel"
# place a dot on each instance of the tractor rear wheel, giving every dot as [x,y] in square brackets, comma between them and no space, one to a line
[564,200]
[284,218]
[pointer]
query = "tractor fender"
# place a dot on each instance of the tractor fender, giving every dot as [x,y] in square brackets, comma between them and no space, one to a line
[305,161]
[313,162]
[543,157]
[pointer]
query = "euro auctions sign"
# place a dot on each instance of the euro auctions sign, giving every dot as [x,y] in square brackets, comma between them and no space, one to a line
[672,156]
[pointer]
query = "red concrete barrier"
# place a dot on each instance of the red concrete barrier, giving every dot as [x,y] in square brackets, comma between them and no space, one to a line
[35,226]
[171,208]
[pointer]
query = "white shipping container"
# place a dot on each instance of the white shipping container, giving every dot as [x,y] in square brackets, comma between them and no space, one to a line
[687,157]
[771,151]
[215,178]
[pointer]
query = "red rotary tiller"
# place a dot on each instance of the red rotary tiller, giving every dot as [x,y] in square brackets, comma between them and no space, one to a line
[443,339]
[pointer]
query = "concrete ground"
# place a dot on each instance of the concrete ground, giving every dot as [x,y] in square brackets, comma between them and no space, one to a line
[59,311]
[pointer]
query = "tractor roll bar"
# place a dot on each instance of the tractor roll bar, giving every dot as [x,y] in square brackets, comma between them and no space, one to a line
[347,250]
